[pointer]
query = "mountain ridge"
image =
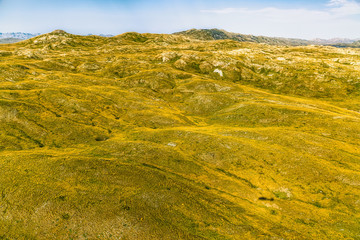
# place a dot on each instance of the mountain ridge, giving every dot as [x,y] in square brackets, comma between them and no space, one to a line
[217,34]
[18,35]
[214,34]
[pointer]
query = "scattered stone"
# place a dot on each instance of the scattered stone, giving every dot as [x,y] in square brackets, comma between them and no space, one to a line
[219,72]
[171,144]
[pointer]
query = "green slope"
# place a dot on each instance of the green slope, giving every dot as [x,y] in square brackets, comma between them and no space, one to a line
[148,136]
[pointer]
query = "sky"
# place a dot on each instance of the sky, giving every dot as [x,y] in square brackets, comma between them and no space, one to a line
[306,19]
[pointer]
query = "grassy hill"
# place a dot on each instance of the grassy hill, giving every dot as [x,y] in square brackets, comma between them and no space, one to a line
[152,136]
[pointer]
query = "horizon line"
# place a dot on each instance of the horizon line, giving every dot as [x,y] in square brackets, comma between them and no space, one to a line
[221,29]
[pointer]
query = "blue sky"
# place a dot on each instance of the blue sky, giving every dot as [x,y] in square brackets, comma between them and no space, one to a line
[301,19]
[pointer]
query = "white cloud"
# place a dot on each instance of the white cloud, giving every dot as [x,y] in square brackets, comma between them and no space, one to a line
[341,8]
[226,10]
[335,8]
[337,2]
[337,18]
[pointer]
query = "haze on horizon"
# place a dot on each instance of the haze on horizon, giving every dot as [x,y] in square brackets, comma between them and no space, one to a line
[298,19]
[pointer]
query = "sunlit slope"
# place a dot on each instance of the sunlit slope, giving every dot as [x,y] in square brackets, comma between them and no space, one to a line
[145,136]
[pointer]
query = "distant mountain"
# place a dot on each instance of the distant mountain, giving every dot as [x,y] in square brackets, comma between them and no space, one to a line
[106,35]
[217,34]
[355,44]
[101,35]
[18,35]
[319,41]
[10,40]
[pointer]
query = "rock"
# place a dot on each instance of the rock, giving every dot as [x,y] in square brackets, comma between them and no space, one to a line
[171,144]
[219,72]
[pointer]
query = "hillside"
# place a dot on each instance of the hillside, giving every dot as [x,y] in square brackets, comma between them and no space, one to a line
[9,40]
[217,34]
[355,44]
[154,136]
[319,41]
